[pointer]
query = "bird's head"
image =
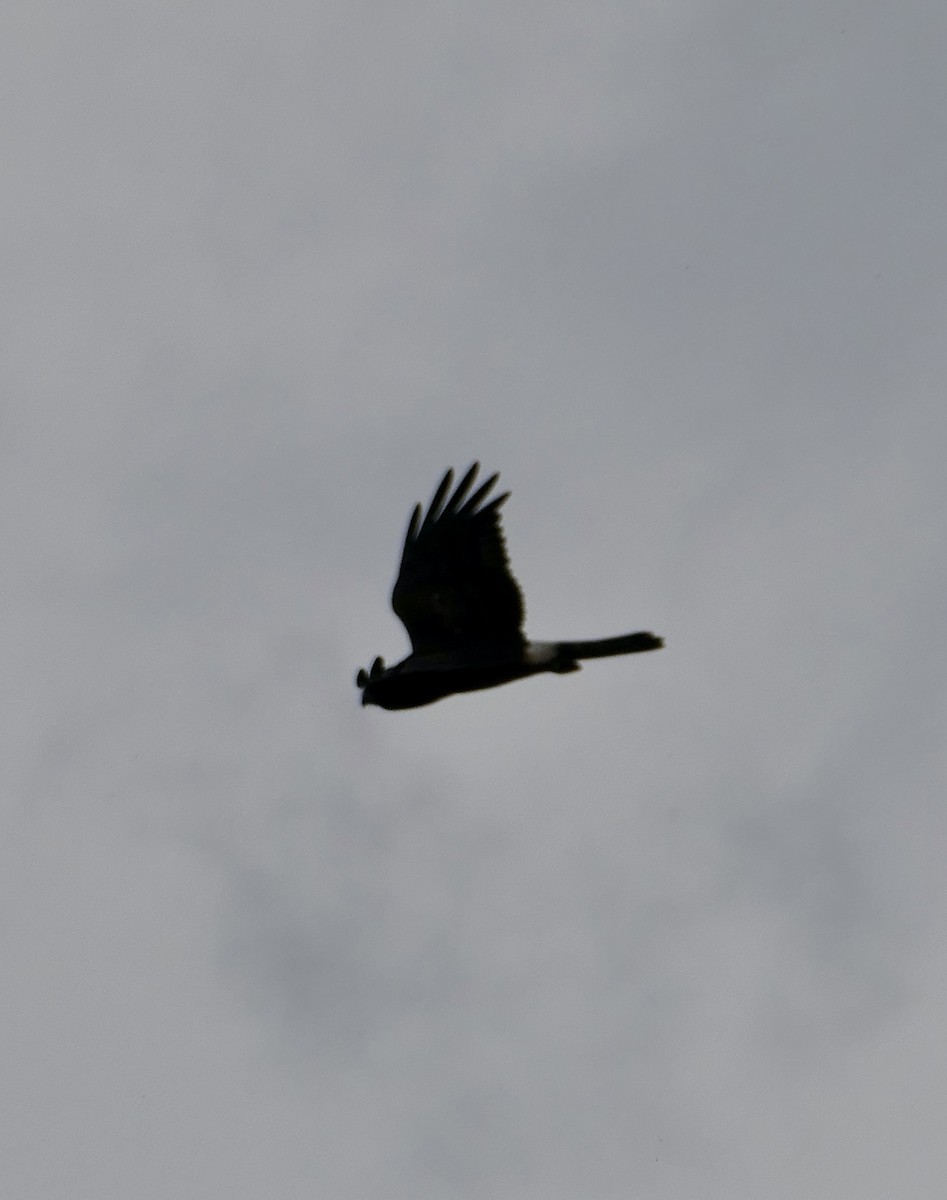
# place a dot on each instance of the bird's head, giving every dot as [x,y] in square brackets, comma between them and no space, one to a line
[365,679]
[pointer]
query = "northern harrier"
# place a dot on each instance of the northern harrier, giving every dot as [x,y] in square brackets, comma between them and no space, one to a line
[463,610]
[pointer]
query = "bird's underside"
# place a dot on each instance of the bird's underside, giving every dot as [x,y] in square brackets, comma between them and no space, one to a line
[462,608]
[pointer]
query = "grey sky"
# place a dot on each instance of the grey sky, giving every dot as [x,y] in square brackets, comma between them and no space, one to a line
[668,928]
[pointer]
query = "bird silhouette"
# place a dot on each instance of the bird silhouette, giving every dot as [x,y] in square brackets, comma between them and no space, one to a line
[463,610]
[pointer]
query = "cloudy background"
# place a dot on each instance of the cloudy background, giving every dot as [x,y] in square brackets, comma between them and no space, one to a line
[669,928]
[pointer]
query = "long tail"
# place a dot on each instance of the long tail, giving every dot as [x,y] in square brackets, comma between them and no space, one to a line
[628,643]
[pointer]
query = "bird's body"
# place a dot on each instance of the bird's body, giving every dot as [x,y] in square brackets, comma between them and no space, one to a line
[463,610]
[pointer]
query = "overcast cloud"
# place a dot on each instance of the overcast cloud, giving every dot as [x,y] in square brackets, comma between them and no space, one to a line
[670,928]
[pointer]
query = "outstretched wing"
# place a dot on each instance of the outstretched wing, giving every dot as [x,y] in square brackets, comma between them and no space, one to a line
[454,588]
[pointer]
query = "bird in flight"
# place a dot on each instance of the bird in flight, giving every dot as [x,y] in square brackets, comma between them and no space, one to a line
[463,610]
